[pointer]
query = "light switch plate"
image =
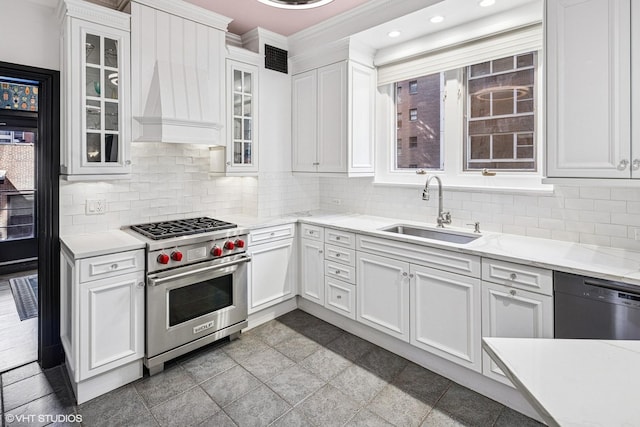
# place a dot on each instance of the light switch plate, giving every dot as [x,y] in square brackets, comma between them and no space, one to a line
[96,207]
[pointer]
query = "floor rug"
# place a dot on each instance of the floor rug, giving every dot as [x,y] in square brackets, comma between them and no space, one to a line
[25,294]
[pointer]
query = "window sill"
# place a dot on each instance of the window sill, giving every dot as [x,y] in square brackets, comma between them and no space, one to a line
[530,188]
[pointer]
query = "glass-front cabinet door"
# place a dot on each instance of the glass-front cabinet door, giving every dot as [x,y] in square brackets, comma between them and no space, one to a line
[96,89]
[242,92]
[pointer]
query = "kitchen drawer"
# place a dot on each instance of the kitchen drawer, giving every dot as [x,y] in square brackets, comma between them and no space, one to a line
[519,276]
[340,271]
[312,232]
[340,238]
[270,234]
[455,262]
[101,267]
[341,255]
[340,297]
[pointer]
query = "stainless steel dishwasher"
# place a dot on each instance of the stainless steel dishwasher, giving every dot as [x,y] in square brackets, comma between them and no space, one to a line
[594,308]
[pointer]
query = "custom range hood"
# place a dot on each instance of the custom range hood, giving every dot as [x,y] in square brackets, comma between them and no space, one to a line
[178,108]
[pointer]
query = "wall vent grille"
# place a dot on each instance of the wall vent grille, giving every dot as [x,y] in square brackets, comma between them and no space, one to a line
[276,59]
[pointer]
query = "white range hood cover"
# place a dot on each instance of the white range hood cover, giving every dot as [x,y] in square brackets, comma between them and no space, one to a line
[178,107]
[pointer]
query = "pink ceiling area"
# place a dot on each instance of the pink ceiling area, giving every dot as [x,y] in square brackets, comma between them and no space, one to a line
[249,14]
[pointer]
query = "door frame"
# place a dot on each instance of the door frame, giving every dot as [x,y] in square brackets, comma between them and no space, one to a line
[47,207]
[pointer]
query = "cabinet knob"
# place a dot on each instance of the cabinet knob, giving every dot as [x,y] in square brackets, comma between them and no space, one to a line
[127,162]
[320,251]
[337,255]
[228,163]
[337,237]
[114,266]
[141,284]
[513,276]
[339,296]
[623,164]
[405,274]
[635,165]
[272,233]
[512,292]
[337,271]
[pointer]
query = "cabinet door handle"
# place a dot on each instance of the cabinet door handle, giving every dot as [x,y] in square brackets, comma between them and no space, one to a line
[635,165]
[512,292]
[404,274]
[337,272]
[337,255]
[114,266]
[141,284]
[339,296]
[128,162]
[337,237]
[513,276]
[411,276]
[320,251]
[623,164]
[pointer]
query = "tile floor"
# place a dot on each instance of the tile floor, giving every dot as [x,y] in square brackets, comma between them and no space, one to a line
[293,371]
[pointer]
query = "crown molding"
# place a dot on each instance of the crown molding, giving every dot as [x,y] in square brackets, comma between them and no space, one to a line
[188,11]
[243,55]
[340,50]
[94,13]
[256,39]
[367,15]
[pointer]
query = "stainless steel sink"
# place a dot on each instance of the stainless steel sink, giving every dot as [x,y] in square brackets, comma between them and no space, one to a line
[431,234]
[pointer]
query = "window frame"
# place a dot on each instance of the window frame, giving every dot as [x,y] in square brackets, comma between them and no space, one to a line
[452,161]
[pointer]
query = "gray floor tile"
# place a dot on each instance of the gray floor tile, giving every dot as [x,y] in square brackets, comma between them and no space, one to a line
[259,407]
[298,320]
[187,409]
[124,401]
[267,364]
[421,383]
[508,417]
[218,420]
[383,363]
[273,333]
[294,384]
[297,347]
[207,365]
[325,364]
[366,418]
[293,418]
[329,407]
[244,347]
[165,385]
[469,406]
[50,404]
[437,418]
[350,346]
[20,373]
[398,407]
[322,333]
[358,383]
[25,391]
[230,385]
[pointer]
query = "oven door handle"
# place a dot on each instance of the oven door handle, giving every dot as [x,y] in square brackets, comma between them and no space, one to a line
[161,280]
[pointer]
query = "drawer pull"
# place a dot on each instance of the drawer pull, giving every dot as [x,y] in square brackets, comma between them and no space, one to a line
[513,276]
[404,274]
[114,266]
[337,237]
[320,251]
[337,271]
[141,284]
[411,276]
[339,296]
[273,233]
[337,255]
[512,292]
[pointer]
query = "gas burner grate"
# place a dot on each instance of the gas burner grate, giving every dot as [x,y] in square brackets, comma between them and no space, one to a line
[181,227]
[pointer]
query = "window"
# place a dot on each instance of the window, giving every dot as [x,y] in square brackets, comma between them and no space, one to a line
[413,114]
[500,114]
[399,123]
[413,142]
[413,87]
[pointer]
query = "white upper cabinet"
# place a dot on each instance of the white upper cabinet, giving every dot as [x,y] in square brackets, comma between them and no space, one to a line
[332,119]
[95,91]
[590,78]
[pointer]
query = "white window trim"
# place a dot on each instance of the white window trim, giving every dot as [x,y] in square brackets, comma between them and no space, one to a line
[453,174]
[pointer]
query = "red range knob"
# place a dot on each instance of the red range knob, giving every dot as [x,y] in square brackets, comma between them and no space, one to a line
[216,251]
[176,256]
[240,243]
[229,245]
[163,259]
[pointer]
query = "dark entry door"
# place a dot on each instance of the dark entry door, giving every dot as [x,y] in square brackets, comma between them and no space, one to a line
[18,228]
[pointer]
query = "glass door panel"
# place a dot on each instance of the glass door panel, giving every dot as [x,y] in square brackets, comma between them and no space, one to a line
[242,117]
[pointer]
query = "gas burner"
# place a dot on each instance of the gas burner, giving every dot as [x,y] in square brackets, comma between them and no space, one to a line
[181,227]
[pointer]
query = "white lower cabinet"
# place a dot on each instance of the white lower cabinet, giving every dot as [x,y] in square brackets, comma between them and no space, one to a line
[102,320]
[383,294]
[312,270]
[272,272]
[513,313]
[445,315]
[340,297]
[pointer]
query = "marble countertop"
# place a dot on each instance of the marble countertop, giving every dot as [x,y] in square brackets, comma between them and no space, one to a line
[573,382]
[596,261]
[95,244]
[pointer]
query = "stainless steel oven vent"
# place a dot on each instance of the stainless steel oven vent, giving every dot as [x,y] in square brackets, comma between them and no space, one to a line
[276,59]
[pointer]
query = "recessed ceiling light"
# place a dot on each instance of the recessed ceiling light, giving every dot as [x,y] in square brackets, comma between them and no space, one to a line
[295,4]
[485,3]
[394,33]
[437,19]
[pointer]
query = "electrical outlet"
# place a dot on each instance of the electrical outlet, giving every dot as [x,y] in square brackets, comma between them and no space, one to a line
[96,207]
[336,201]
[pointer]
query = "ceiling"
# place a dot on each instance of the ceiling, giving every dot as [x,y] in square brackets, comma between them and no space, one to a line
[249,14]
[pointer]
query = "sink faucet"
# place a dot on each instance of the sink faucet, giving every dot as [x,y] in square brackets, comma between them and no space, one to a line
[443,217]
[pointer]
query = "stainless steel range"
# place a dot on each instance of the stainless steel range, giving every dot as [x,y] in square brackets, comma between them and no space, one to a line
[196,285]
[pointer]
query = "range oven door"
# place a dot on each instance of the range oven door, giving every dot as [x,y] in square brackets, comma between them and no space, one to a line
[191,302]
